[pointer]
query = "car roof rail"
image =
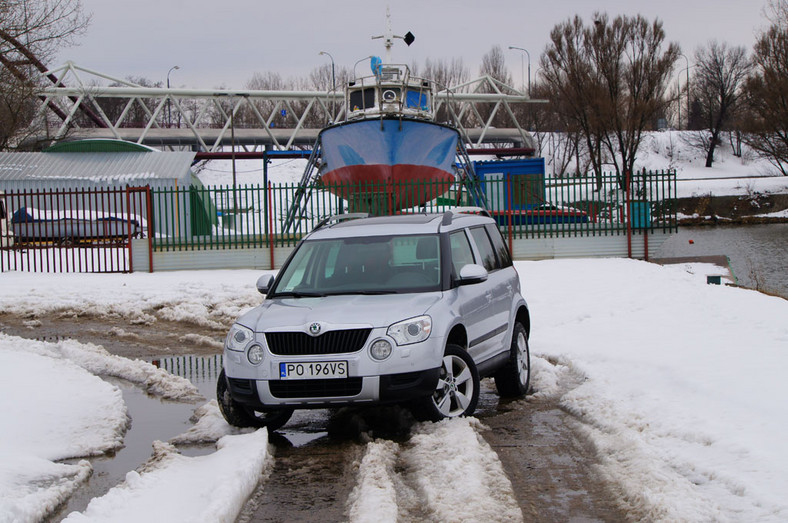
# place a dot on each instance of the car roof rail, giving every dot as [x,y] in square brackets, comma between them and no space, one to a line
[449,214]
[339,218]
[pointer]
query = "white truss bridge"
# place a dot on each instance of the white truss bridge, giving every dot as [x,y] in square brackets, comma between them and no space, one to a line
[89,104]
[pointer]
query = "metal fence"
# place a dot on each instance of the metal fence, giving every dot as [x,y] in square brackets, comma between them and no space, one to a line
[91,230]
[244,216]
[72,230]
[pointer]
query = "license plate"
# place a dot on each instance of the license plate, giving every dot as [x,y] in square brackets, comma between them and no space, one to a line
[310,370]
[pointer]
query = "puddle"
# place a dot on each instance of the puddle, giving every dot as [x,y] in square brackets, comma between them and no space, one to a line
[151,419]
[155,419]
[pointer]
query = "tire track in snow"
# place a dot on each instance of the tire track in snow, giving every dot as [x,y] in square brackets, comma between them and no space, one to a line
[445,472]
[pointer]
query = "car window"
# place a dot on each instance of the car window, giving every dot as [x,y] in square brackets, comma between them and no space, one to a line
[461,253]
[379,264]
[504,258]
[485,247]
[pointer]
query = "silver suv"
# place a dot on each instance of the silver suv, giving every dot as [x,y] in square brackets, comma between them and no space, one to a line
[400,309]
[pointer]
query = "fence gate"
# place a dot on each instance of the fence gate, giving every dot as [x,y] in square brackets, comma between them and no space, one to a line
[73,230]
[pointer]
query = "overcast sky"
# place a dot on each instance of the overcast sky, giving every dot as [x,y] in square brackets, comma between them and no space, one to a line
[222,44]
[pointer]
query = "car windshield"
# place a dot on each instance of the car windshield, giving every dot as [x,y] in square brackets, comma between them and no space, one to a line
[369,265]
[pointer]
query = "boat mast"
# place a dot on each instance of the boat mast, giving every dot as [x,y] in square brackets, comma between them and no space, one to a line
[390,36]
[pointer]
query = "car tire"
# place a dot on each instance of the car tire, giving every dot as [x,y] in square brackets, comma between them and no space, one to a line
[513,379]
[242,416]
[457,391]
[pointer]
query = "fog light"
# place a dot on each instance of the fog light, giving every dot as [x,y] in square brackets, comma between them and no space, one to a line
[380,350]
[255,354]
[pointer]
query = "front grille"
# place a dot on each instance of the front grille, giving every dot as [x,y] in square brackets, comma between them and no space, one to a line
[302,344]
[315,388]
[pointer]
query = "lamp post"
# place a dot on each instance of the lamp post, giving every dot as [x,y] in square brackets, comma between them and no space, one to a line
[169,102]
[529,66]
[333,83]
[688,89]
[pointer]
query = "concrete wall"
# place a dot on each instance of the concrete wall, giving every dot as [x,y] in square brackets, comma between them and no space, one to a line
[530,249]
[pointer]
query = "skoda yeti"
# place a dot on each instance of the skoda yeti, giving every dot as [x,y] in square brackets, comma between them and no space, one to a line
[412,309]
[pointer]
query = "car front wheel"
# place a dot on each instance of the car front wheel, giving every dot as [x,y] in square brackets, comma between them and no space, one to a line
[242,416]
[457,391]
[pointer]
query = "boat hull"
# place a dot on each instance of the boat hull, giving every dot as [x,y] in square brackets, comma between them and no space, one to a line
[400,163]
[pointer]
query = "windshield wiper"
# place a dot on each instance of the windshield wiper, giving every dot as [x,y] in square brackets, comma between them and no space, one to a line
[294,294]
[370,292]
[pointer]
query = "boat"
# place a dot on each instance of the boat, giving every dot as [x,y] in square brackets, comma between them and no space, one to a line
[389,153]
[389,144]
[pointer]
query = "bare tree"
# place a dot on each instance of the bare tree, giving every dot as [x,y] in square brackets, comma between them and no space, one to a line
[494,65]
[17,108]
[720,72]
[31,31]
[444,73]
[766,118]
[776,12]
[609,80]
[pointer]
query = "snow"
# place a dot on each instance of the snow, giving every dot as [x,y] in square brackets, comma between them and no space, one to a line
[449,464]
[52,409]
[678,384]
[208,488]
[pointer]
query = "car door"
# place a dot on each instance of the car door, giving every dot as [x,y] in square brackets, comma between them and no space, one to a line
[498,292]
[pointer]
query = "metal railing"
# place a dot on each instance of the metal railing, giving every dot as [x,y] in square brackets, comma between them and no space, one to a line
[90,230]
[73,230]
[222,217]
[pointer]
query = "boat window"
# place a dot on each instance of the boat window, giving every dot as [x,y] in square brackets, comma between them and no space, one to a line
[362,99]
[417,100]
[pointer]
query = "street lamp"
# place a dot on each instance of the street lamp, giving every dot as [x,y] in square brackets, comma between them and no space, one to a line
[333,83]
[521,67]
[688,90]
[333,77]
[169,102]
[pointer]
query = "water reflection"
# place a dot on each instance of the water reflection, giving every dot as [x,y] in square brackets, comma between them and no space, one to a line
[758,253]
[202,371]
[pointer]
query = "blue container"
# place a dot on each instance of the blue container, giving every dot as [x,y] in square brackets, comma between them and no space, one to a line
[641,214]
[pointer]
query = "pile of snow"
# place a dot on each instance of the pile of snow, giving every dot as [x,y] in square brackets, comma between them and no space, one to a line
[139,298]
[52,409]
[173,487]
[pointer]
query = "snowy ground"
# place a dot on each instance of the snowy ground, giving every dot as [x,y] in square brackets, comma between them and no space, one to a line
[677,383]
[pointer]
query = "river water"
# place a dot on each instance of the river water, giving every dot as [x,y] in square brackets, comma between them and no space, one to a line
[758,254]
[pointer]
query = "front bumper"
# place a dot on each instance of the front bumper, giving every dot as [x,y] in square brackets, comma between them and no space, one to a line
[322,393]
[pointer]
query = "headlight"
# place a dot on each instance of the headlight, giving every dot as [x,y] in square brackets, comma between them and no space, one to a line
[380,350]
[410,331]
[255,354]
[238,337]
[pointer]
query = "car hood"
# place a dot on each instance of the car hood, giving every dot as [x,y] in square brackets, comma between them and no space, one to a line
[343,311]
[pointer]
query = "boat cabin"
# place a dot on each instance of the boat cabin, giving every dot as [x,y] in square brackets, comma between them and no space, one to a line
[392,90]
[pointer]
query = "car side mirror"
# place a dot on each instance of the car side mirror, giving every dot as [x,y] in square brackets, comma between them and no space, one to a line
[264,283]
[472,273]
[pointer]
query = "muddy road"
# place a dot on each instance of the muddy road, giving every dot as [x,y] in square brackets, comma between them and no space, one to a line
[317,455]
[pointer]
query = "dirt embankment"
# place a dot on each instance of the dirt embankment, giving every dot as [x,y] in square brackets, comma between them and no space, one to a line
[735,210]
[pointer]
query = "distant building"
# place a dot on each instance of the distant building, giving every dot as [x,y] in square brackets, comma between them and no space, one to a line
[107,164]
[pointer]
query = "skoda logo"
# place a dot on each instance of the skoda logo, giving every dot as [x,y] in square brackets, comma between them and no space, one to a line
[314,329]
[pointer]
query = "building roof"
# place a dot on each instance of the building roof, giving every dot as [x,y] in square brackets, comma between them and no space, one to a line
[97,145]
[106,167]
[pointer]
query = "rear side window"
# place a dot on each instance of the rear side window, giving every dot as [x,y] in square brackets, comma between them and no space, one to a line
[486,251]
[504,258]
